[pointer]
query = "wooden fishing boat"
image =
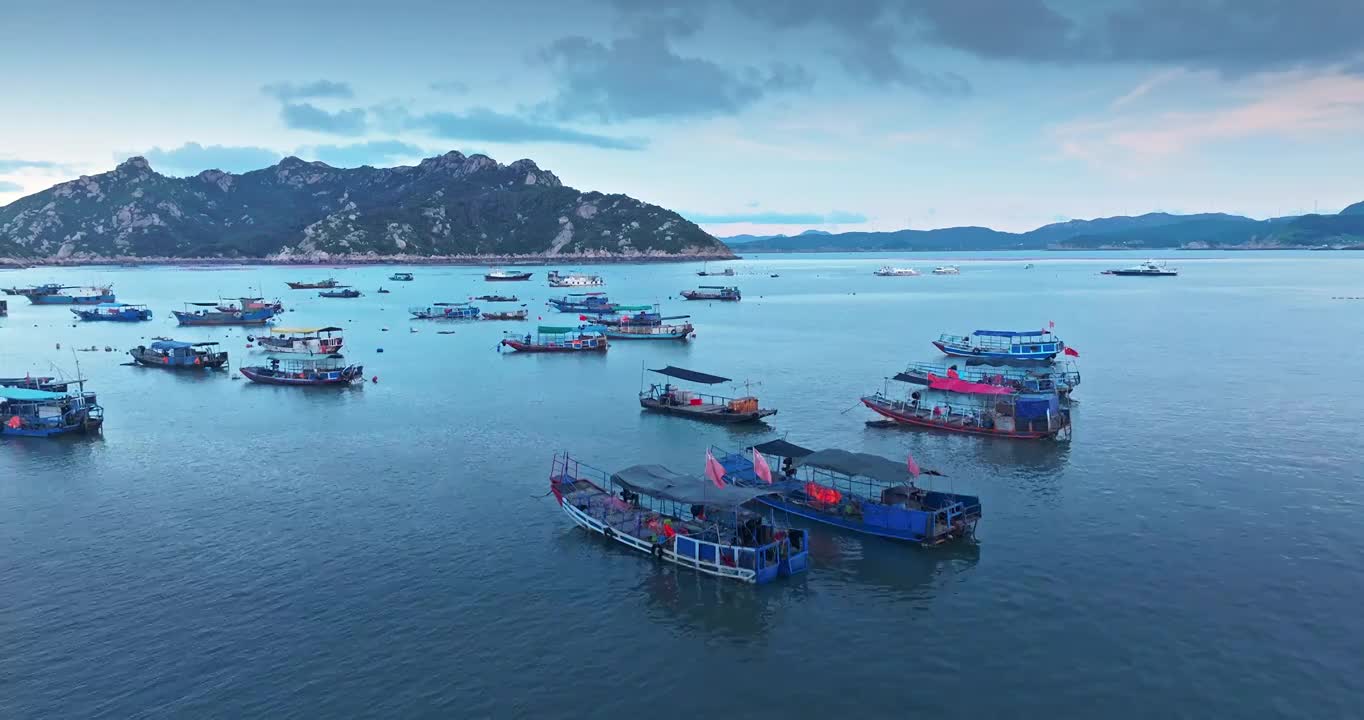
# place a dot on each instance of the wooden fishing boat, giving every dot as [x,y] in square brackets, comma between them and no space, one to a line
[57,295]
[29,412]
[858,492]
[508,315]
[680,519]
[211,314]
[1005,345]
[320,285]
[632,318]
[705,272]
[400,277]
[445,311]
[302,341]
[251,303]
[505,276]
[497,298]
[668,400]
[977,409]
[713,292]
[47,289]
[174,355]
[309,372]
[552,339]
[1062,379]
[114,312]
[593,303]
[574,280]
[631,331]
[348,293]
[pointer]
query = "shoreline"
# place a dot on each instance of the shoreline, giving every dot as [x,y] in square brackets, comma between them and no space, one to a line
[364,260]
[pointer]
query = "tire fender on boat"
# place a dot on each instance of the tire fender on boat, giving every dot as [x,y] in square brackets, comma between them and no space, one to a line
[658,551]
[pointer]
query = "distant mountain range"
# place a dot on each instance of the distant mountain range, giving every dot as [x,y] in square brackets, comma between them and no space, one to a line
[450,206]
[1152,231]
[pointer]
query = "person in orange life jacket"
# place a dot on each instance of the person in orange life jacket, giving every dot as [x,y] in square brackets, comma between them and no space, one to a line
[952,372]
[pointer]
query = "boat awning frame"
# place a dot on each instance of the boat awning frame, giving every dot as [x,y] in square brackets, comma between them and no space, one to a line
[691,375]
[303,331]
[782,448]
[1010,333]
[858,464]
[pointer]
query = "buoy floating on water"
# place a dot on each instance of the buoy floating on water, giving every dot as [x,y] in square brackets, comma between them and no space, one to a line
[374,379]
[379,350]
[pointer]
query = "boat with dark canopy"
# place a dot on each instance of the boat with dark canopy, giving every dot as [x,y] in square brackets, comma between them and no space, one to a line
[251,303]
[305,372]
[114,312]
[713,292]
[498,298]
[175,355]
[1005,345]
[591,304]
[859,492]
[31,412]
[211,314]
[400,277]
[680,519]
[669,400]
[320,285]
[556,339]
[348,293]
[445,311]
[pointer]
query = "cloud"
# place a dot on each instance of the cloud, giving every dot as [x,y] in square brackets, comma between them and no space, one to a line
[193,158]
[837,217]
[10,187]
[1145,87]
[306,116]
[1290,105]
[491,126]
[378,153]
[11,164]
[285,92]
[639,75]
[450,87]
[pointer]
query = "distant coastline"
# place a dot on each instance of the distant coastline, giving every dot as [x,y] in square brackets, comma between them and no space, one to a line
[316,260]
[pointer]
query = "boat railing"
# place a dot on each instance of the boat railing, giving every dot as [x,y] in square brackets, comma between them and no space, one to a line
[681,398]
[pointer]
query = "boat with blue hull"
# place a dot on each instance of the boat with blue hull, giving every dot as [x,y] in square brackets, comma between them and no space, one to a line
[114,312]
[857,492]
[592,304]
[722,293]
[445,311]
[211,314]
[57,295]
[1004,345]
[175,355]
[29,412]
[680,519]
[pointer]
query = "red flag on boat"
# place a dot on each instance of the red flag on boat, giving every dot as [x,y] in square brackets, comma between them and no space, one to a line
[913,467]
[1072,352]
[714,470]
[582,317]
[761,468]
[1051,324]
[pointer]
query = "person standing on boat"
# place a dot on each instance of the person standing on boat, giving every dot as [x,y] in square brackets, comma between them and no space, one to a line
[952,372]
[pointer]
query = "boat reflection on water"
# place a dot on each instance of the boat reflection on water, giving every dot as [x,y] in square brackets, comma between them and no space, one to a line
[857,560]
[733,612]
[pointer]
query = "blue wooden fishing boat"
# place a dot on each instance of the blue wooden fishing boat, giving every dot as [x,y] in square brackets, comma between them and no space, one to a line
[1006,345]
[213,314]
[680,519]
[445,311]
[668,400]
[174,355]
[555,339]
[592,304]
[347,293]
[1063,378]
[29,412]
[721,293]
[858,492]
[400,277]
[975,409]
[646,317]
[305,372]
[114,312]
[56,295]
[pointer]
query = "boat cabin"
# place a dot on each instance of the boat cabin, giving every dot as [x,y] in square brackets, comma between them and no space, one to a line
[306,341]
[445,311]
[173,354]
[1021,345]
[400,277]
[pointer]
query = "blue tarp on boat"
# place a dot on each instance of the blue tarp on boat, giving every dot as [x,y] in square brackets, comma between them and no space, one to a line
[28,395]
[170,345]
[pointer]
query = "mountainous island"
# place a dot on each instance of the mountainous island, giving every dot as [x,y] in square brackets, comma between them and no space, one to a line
[450,208]
[1153,231]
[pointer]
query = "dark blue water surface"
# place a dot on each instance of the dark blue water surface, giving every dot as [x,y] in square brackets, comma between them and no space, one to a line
[235,550]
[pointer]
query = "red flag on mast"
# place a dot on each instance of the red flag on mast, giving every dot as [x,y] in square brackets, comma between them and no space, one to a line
[714,470]
[761,468]
[913,467]
[1071,352]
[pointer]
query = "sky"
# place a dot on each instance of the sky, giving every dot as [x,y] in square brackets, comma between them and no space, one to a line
[746,116]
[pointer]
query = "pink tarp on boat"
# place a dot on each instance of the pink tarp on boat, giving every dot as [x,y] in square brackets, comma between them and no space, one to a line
[965,386]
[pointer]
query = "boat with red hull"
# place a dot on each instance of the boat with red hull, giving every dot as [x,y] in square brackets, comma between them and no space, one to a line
[1020,417]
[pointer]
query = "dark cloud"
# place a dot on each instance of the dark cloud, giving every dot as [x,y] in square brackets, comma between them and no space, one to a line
[837,217]
[639,75]
[286,92]
[11,164]
[9,187]
[306,116]
[491,126]
[193,158]
[375,152]
[450,87]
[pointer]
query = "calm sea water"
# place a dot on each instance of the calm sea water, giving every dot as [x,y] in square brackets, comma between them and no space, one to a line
[235,550]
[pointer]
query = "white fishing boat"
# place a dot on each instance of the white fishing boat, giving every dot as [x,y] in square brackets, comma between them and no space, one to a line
[303,341]
[574,280]
[888,271]
[947,270]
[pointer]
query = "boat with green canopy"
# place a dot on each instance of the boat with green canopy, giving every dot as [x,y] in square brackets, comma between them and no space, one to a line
[558,339]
